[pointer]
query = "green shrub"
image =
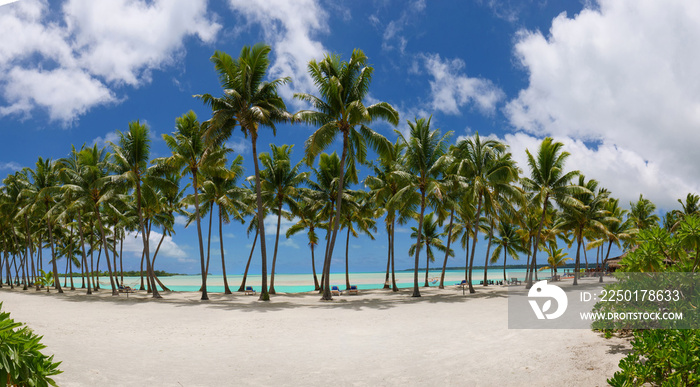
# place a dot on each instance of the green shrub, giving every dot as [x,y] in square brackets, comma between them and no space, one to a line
[661,358]
[21,360]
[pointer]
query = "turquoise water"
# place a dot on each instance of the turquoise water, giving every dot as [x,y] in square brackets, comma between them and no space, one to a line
[300,283]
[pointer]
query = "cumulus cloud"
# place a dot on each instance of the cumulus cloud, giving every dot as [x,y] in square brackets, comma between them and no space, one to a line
[133,244]
[393,37]
[69,63]
[112,137]
[271,226]
[11,165]
[290,28]
[622,75]
[451,90]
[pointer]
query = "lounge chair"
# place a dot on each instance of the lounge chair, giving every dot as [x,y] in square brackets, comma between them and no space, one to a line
[515,281]
[249,290]
[353,289]
[335,291]
[463,283]
[125,289]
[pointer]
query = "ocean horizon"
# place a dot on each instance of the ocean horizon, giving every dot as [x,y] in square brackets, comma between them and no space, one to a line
[301,283]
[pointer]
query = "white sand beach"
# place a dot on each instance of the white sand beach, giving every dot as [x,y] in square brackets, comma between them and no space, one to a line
[371,339]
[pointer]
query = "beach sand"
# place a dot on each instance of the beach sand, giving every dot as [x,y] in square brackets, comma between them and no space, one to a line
[371,339]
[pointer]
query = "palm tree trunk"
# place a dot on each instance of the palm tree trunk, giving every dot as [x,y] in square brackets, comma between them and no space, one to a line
[247,265]
[336,223]
[114,257]
[427,265]
[57,282]
[206,268]
[533,264]
[264,294]
[221,245]
[347,261]
[602,266]
[29,248]
[416,291]
[585,256]
[121,258]
[155,255]
[328,243]
[143,256]
[488,251]
[274,255]
[393,271]
[505,255]
[115,292]
[578,259]
[313,269]
[447,253]
[476,232]
[144,237]
[205,296]
[388,259]
[82,245]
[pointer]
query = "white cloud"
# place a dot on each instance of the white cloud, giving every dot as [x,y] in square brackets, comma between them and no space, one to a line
[180,220]
[289,243]
[104,141]
[69,63]
[240,146]
[290,28]
[451,90]
[394,37]
[133,244]
[11,165]
[622,75]
[271,226]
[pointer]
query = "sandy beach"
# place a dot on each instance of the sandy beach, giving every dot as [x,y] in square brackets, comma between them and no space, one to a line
[374,338]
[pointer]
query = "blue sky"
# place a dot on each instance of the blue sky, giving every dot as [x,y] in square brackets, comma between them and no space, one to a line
[616,81]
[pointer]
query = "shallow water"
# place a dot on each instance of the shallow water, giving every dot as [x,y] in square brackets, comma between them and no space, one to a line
[299,283]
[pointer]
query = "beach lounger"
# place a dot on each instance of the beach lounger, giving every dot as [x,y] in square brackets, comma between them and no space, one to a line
[463,283]
[353,289]
[125,289]
[335,291]
[249,290]
[514,281]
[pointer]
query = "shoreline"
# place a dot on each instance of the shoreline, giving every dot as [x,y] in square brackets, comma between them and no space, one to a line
[442,338]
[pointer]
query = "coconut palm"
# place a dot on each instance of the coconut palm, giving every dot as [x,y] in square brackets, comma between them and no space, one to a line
[90,188]
[548,181]
[642,213]
[191,156]
[485,165]
[340,109]
[228,197]
[280,181]
[383,185]
[424,165]
[556,257]
[507,241]
[248,102]
[308,215]
[430,238]
[617,230]
[323,188]
[358,217]
[463,229]
[130,162]
[44,193]
[590,214]
[454,185]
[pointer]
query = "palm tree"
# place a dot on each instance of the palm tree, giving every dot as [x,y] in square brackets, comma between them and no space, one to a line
[454,187]
[590,214]
[340,110]
[44,193]
[616,230]
[642,214]
[464,229]
[361,213]
[556,257]
[308,213]
[508,241]
[485,166]
[228,198]
[383,185]
[548,181]
[279,183]
[131,165]
[424,150]
[89,187]
[190,156]
[430,238]
[248,102]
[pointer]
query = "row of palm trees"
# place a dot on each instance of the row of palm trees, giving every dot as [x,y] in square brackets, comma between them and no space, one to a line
[97,196]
